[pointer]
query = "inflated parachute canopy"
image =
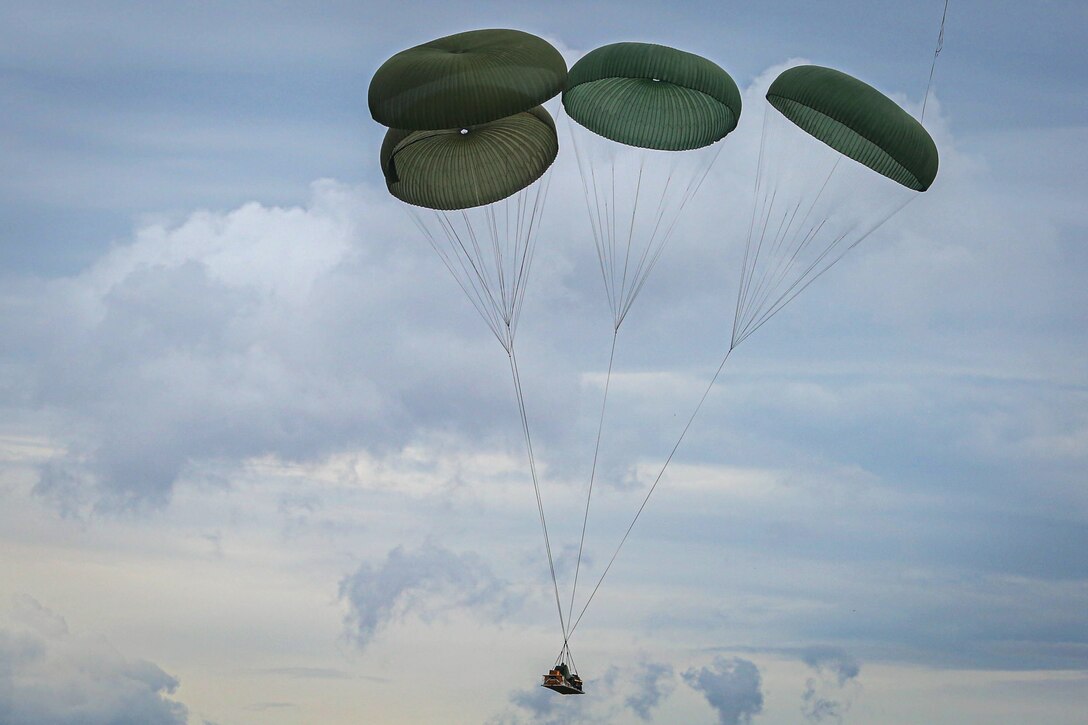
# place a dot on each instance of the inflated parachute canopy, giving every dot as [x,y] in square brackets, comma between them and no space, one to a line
[858,121]
[459,168]
[466,79]
[652,96]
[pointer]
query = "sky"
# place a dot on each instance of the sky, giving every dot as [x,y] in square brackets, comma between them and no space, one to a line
[261,461]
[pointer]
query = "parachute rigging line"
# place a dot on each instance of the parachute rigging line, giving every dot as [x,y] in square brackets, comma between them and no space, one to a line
[491,265]
[488,193]
[786,297]
[766,283]
[768,287]
[777,238]
[649,493]
[933,65]
[623,282]
[808,277]
[536,488]
[490,259]
[593,471]
[565,654]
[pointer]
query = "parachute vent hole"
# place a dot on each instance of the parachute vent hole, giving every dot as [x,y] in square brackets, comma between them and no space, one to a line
[464,131]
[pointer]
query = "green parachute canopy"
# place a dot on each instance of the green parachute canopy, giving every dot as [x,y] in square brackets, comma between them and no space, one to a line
[858,121]
[652,96]
[460,168]
[465,79]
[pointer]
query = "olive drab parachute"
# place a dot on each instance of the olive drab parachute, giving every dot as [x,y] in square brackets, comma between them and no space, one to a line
[469,147]
[858,121]
[459,168]
[468,150]
[837,159]
[647,120]
[469,140]
[652,96]
[466,79]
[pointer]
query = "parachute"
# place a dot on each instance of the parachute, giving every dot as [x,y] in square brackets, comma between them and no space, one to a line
[469,140]
[465,79]
[470,145]
[646,122]
[858,121]
[461,168]
[636,106]
[652,97]
[837,159]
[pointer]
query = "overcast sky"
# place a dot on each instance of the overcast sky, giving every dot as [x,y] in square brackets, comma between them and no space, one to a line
[260,460]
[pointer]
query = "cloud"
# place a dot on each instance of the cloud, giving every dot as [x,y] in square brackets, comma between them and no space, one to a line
[832,660]
[424,582]
[654,683]
[831,693]
[544,706]
[540,706]
[305,330]
[941,362]
[49,675]
[732,686]
[298,331]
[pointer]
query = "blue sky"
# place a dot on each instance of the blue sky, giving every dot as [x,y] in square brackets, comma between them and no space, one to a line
[260,460]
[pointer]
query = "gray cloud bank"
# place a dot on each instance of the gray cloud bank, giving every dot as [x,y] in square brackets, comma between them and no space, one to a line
[50,675]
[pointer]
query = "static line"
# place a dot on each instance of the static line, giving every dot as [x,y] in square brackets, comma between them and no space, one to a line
[933,65]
